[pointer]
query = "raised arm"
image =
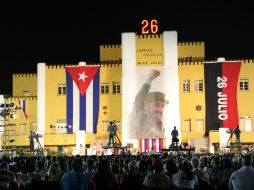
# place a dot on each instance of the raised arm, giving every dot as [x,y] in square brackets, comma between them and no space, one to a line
[143,92]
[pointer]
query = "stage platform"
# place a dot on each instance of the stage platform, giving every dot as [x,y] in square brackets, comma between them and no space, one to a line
[233,146]
[15,152]
[114,149]
[180,150]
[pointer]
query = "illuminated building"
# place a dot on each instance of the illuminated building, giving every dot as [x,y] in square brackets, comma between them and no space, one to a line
[191,56]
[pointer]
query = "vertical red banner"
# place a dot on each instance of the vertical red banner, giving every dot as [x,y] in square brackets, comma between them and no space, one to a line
[221,81]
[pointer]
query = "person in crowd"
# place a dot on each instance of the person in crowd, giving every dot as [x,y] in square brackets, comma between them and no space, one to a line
[31,140]
[131,179]
[142,169]
[75,179]
[8,179]
[90,163]
[174,134]
[242,179]
[104,178]
[237,133]
[54,172]
[215,172]
[25,182]
[157,180]
[94,149]
[111,133]
[40,173]
[203,177]
[151,152]
[171,168]
[185,178]
[227,170]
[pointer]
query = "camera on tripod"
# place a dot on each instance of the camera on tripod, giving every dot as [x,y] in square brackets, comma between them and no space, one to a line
[36,135]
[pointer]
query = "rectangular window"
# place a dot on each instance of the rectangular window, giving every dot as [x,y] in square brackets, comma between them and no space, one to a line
[186,86]
[33,127]
[61,89]
[105,124]
[244,84]
[116,88]
[24,128]
[64,89]
[187,125]
[245,123]
[199,125]
[105,88]
[198,85]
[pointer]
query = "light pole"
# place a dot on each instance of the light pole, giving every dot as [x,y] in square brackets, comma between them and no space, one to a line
[8,133]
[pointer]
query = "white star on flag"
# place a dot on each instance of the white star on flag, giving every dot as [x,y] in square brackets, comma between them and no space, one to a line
[82,76]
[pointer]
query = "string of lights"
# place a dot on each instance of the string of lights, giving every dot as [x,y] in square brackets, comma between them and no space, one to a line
[58,126]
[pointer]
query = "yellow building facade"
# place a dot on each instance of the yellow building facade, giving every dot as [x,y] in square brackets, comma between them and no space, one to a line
[191,56]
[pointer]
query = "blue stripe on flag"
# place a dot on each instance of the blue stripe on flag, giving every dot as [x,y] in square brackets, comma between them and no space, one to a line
[82,112]
[24,107]
[96,99]
[69,103]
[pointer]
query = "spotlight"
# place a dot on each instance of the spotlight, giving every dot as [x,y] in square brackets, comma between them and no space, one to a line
[4,113]
[18,107]
[51,126]
[13,116]
[69,126]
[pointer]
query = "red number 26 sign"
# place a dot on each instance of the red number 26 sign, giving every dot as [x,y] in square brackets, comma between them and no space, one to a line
[149,26]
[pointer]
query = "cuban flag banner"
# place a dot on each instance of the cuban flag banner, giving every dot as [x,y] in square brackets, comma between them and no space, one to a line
[83,87]
[22,104]
[145,145]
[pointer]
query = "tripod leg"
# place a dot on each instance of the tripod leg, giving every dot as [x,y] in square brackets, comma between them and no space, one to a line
[40,149]
[118,139]
[229,139]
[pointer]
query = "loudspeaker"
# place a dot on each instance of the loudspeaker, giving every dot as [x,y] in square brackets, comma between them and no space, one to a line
[87,145]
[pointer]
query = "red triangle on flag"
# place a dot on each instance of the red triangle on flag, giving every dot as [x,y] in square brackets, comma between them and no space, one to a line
[82,76]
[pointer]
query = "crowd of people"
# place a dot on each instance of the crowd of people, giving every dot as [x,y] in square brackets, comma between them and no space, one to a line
[125,171]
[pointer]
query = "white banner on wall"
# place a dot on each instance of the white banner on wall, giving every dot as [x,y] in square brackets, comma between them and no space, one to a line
[150,94]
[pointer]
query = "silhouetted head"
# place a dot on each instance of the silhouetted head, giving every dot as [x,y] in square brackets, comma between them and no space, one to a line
[247,160]
[77,164]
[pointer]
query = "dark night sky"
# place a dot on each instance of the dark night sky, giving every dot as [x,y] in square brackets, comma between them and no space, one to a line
[69,33]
